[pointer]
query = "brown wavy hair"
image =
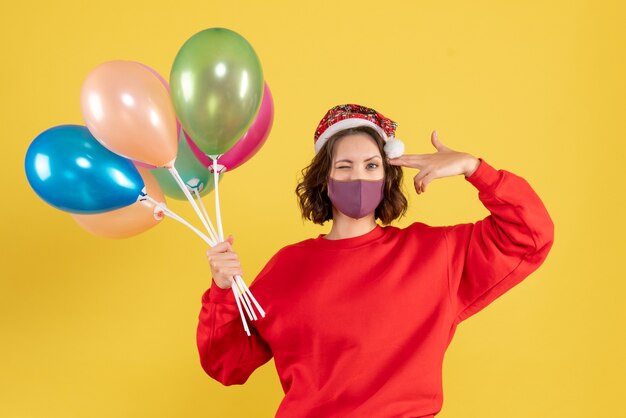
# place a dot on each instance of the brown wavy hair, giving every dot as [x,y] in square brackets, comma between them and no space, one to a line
[312,190]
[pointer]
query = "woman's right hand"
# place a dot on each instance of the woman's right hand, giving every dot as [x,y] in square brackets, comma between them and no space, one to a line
[224,263]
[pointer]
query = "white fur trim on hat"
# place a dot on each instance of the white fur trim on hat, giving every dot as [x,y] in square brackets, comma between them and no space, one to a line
[345,124]
[394,147]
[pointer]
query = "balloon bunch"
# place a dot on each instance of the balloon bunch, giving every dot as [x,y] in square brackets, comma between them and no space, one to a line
[145,138]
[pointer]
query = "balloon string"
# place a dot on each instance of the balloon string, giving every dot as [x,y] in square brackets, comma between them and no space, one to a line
[247,291]
[185,190]
[247,303]
[242,285]
[161,206]
[243,318]
[218,214]
[206,215]
[193,228]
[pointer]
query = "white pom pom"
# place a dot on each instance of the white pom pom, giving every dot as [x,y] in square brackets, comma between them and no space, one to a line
[394,147]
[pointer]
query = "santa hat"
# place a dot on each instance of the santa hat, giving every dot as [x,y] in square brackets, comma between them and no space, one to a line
[352,115]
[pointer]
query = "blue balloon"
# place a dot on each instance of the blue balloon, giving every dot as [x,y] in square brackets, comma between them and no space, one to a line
[69,169]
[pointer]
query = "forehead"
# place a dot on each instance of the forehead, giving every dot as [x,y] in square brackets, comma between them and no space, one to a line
[355,147]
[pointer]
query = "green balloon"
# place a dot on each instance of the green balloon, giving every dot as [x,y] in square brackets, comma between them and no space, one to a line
[193,173]
[216,84]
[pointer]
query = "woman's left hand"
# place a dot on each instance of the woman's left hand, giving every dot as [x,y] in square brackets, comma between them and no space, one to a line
[443,163]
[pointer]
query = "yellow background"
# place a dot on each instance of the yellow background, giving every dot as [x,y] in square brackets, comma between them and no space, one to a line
[106,328]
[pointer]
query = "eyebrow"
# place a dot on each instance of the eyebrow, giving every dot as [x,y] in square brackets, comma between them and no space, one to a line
[349,161]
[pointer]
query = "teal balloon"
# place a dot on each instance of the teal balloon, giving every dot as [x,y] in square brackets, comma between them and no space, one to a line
[70,170]
[192,171]
[216,85]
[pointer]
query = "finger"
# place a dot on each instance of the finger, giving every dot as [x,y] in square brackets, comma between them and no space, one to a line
[224,256]
[434,139]
[228,264]
[227,243]
[230,271]
[220,244]
[418,187]
[426,180]
[409,160]
[419,176]
[228,256]
[217,249]
[395,161]
[417,180]
[223,246]
[220,267]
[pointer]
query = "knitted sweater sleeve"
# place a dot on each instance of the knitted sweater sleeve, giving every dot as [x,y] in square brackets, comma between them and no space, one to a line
[490,256]
[227,353]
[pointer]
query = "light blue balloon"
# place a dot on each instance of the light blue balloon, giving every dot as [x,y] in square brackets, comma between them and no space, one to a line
[70,170]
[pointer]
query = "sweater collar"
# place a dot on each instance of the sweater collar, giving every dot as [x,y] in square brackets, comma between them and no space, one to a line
[353,242]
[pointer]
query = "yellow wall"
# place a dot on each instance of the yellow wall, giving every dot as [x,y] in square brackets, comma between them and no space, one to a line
[106,328]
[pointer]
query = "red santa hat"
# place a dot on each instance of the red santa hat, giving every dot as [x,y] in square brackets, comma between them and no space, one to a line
[347,116]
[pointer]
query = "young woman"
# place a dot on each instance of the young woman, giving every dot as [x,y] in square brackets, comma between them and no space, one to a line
[358,320]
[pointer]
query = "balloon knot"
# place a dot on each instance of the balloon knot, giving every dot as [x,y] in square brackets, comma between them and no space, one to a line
[159,211]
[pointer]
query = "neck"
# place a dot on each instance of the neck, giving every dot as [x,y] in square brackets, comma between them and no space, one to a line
[347,227]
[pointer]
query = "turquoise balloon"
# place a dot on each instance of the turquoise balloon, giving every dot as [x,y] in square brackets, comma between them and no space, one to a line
[192,171]
[70,170]
[216,85]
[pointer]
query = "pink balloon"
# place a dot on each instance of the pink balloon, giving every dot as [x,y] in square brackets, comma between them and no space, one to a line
[248,144]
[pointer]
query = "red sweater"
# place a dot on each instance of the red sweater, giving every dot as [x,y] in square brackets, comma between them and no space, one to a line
[358,327]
